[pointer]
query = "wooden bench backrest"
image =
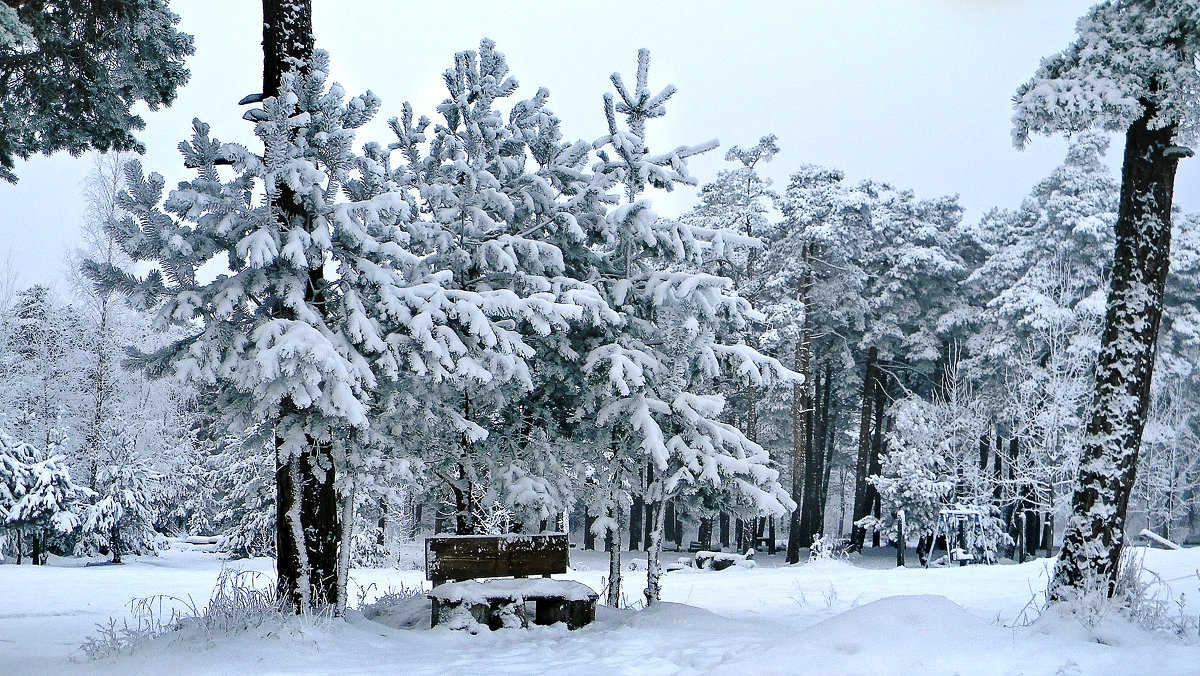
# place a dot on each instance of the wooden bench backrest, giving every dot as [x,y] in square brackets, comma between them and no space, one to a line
[466,557]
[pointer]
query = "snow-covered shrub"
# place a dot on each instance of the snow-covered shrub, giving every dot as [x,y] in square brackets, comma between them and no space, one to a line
[405,607]
[240,601]
[827,547]
[150,617]
[1139,596]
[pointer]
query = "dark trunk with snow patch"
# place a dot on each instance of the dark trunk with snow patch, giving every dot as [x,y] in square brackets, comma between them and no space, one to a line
[1095,533]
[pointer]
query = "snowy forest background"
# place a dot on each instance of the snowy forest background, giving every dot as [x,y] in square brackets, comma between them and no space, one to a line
[978,337]
[480,325]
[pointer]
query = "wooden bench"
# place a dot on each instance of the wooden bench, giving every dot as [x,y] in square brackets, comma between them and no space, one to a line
[454,563]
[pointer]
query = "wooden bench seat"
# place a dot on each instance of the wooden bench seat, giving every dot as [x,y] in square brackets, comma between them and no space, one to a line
[500,603]
[454,563]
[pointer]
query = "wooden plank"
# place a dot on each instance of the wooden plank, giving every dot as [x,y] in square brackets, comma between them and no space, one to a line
[474,556]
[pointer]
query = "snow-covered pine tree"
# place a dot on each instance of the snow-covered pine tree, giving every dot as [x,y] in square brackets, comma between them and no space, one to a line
[1169,465]
[739,200]
[1040,298]
[812,289]
[653,373]
[39,360]
[339,310]
[73,71]
[242,469]
[1132,70]
[499,204]
[36,494]
[931,463]
[121,518]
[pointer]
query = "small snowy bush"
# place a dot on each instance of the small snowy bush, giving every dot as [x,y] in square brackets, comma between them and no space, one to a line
[827,547]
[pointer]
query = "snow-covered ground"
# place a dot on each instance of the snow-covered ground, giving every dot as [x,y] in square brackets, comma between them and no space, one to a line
[824,617]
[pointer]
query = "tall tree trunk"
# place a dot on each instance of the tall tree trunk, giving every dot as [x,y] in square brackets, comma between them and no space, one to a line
[115,543]
[705,536]
[828,427]
[612,542]
[874,465]
[635,513]
[381,535]
[811,517]
[1095,533]
[655,518]
[649,507]
[35,551]
[589,537]
[862,503]
[308,506]
[801,363]
[998,472]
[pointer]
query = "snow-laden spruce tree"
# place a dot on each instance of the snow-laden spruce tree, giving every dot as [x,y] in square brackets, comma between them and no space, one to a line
[242,471]
[498,204]
[653,373]
[739,200]
[1040,295]
[120,519]
[73,70]
[37,495]
[345,308]
[1132,70]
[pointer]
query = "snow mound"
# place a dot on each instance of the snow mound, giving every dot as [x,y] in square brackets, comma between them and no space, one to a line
[897,620]
[909,634]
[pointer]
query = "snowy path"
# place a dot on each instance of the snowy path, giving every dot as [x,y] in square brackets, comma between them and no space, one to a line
[825,617]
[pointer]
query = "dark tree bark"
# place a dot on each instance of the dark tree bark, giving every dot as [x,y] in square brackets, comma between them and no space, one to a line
[862,502]
[589,538]
[309,524]
[827,445]
[635,523]
[801,433]
[874,463]
[724,523]
[1048,534]
[670,525]
[705,536]
[649,508]
[1033,531]
[813,471]
[381,535]
[998,471]
[1095,534]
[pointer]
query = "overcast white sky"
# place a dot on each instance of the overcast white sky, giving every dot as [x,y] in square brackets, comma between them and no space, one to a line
[914,92]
